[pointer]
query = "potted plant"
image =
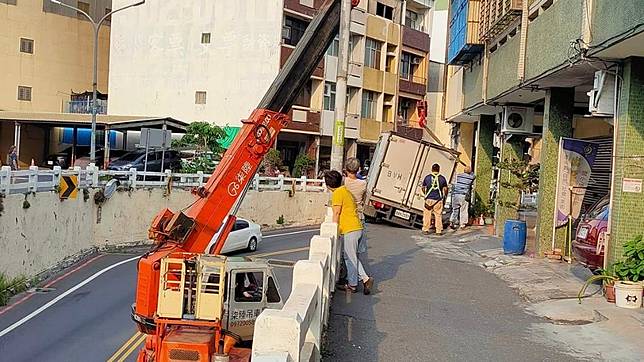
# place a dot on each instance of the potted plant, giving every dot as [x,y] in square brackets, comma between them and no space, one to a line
[624,277]
[629,290]
[488,215]
[608,279]
[478,209]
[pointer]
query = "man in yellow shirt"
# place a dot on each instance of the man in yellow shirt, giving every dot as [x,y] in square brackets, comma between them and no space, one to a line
[345,214]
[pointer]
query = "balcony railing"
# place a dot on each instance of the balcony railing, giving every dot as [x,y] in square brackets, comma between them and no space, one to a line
[85,106]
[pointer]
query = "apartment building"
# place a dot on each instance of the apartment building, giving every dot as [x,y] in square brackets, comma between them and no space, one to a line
[46,60]
[214,61]
[568,69]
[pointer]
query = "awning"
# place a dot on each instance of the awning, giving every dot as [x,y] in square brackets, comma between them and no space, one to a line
[81,120]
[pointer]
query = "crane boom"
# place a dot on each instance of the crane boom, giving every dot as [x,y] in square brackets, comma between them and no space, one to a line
[191,230]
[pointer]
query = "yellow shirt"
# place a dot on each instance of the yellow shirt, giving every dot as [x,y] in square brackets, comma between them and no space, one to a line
[348,220]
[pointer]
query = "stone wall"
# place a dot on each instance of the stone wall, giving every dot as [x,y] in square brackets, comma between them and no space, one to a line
[38,231]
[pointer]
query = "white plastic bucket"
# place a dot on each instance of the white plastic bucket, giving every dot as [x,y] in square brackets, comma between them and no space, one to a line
[628,294]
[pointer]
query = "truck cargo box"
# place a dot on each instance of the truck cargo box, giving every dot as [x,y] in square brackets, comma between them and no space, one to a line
[398,167]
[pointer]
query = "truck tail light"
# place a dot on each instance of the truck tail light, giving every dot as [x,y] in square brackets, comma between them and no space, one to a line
[378,205]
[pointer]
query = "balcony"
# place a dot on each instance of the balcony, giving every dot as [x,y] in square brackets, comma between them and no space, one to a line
[415,39]
[413,84]
[286,52]
[298,7]
[85,106]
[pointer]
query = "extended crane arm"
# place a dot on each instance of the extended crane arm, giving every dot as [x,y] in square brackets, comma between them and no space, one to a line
[192,230]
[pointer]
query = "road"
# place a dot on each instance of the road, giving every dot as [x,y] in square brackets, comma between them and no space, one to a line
[430,308]
[82,316]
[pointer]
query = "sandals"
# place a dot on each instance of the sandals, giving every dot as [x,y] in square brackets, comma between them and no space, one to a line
[367,286]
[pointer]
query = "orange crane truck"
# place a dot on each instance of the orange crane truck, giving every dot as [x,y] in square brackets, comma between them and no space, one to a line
[194,304]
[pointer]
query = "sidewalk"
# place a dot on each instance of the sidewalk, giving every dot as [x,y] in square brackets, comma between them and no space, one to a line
[457,297]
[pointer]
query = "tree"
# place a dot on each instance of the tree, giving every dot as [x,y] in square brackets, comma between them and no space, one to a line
[303,163]
[271,163]
[205,137]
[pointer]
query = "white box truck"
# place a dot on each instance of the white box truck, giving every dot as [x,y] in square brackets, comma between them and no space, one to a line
[396,173]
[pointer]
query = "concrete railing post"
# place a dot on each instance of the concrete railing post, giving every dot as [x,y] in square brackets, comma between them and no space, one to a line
[311,272]
[132,177]
[256,182]
[303,178]
[56,177]
[92,171]
[280,182]
[201,181]
[33,178]
[321,250]
[5,179]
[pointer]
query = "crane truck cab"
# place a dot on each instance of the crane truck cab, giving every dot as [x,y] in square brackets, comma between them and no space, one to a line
[224,295]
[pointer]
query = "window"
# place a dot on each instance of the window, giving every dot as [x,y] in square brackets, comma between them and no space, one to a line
[405,66]
[249,287]
[372,53]
[26,45]
[413,20]
[24,93]
[334,48]
[240,225]
[304,98]
[84,7]
[403,110]
[368,104]
[385,11]
[329,96]
[293,30]
[200,97]
[205,38]
[272,294]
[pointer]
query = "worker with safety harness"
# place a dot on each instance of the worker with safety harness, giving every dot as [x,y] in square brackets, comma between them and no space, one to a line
[435,190]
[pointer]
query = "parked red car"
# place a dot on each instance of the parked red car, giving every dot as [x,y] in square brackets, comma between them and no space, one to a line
[591,225]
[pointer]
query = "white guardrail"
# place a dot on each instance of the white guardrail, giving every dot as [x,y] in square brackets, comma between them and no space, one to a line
[294,333]
[40,180]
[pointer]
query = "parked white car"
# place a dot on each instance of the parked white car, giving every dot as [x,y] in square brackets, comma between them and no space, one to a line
[245,235]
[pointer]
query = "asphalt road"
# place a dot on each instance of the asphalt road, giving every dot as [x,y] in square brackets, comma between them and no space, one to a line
[427,308]
[82,316]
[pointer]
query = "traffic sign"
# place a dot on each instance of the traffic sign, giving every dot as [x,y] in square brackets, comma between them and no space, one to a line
[68,187]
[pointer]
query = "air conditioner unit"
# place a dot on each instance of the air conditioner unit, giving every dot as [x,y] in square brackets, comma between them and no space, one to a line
[602,96]
[517,120]
[416,60]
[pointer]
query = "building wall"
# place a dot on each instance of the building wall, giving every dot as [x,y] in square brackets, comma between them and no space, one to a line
[472,85]
[503,64]
[541,54]
[235,68]
[62,59]
[629,12]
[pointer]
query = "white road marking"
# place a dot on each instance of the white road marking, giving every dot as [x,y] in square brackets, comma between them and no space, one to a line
[66,293]
[291,233]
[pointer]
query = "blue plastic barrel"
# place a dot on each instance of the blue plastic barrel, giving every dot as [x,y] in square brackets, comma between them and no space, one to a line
[514,236]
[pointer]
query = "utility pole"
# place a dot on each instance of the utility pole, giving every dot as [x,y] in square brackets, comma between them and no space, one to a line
[337,145]
[97,28]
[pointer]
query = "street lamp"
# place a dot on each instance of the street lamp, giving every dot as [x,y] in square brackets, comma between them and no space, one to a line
[97,27]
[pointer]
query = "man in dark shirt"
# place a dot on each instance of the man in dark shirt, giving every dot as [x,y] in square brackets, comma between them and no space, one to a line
[435,190]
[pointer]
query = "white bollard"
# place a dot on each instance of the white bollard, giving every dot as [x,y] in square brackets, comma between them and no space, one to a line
[33,178]
[5,179]
[132,178]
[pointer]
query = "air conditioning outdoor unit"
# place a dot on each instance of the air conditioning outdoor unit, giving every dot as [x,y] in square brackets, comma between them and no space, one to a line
[416,60]
[602,96]
[517,120]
